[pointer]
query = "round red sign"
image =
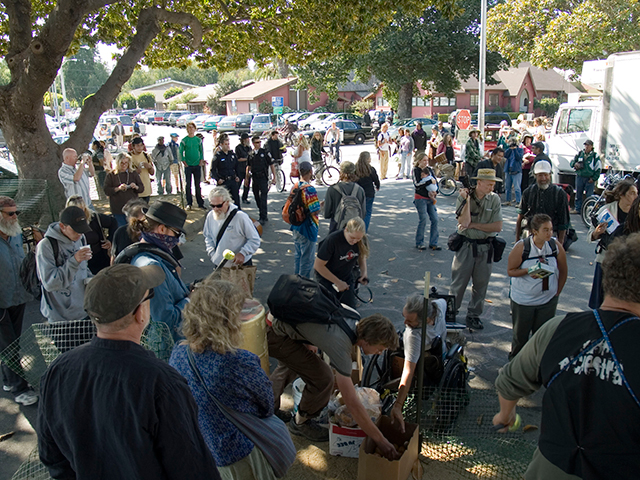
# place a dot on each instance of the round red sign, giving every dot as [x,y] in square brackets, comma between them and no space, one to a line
[463,119]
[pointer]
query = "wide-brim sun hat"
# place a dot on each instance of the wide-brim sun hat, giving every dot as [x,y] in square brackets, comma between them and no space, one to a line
[167,214]
[487,174]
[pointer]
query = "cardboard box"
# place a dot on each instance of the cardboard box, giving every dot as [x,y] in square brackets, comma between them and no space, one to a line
[345,441]
[372,467]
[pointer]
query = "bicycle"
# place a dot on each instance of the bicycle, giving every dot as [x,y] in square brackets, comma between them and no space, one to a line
[592,204]
[280,180]
[327,174]
[447,185]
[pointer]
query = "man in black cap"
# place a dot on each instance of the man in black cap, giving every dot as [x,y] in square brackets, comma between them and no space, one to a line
[225,171]
[587,166]
[243,149]
[537,149]
[260,162]
[61,262]
[137,417]
[160,234]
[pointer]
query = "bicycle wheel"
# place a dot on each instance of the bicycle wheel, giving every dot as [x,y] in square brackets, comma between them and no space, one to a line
[376,372]
[447,186]
[330,176]
[363,293]
[281,180]
[587,207]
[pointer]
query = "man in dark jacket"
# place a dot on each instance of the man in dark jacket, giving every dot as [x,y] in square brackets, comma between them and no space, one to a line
[138,418]
[258,167]
[225,170]
[243,149]
[419,139]
[275,147]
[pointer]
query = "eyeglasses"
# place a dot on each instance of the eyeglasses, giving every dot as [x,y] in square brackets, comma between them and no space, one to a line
[12,214]
[257,142]
[149,296]
[177,232]
[220,205]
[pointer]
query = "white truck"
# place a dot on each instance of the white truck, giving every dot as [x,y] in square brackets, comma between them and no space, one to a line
[610,118]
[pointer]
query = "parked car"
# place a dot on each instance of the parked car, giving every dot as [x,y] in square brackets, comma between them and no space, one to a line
[350,132]
[262,123]
[212,123]
[149,116]
[173,118]
[243,123]
[345,116]
[299,116]
[492,118]
[313,118]
[127,123]
[410,123]
[200,119]
[158,118]
[227,124]
[184,119]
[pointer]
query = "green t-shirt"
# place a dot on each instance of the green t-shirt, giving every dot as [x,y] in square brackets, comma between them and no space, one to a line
[191,151]
[486,210]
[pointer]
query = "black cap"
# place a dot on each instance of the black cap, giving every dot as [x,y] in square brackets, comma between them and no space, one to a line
[137,140]
[75,218]
[539,145]
[167,214]
[244,136]
[589,142]
[305,167]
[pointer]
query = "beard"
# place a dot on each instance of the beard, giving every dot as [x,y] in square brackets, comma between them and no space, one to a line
[218,215]
[544,185]
[10,227]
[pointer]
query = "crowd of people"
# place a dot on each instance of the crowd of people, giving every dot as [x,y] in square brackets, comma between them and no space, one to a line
[122,271]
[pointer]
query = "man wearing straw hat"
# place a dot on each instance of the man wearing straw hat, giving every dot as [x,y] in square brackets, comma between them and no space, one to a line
[472,155]
[479,220]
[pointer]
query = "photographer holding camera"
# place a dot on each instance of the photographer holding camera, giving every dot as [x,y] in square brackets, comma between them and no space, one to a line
[76,180]
[122,185]
[587,166]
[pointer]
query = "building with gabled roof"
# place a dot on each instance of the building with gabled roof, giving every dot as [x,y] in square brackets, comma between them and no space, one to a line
[159,87]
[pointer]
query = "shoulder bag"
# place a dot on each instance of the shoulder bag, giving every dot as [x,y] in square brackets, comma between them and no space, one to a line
[269,434]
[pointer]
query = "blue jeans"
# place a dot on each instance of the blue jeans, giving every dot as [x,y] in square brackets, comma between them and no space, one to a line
[405,165]
[304,256]
[367,215]
[583,185]
[515,181]
[334,148]
[166,174]
[426,207]
[121,218]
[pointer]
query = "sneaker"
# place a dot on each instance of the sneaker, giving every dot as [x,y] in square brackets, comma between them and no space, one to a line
[474,323]
[246,201]
[421,247]
[27,398]
[573,212]
[284,415]
[262,221]
[310,430]
[435,247]
[203,207]
[189,208]
[399,178]
[7,388]
[506,204]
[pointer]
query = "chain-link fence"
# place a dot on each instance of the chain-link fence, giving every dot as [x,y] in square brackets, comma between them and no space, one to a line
[31,354]
[33,199]
[456,425]
[32,469]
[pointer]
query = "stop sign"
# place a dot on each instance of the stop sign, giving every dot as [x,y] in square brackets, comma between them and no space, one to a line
[463,119]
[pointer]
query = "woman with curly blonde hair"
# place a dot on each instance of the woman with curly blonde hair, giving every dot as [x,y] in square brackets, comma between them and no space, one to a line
[212,328]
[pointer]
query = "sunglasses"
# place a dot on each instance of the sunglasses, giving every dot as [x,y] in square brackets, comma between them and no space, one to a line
[12,214]
[149,296]
[220,205]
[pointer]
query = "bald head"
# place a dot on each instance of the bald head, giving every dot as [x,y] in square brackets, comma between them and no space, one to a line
[69,156]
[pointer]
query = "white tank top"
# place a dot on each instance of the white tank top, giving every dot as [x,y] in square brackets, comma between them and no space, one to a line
[528,291]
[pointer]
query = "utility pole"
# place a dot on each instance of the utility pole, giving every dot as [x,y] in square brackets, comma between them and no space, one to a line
[482,80]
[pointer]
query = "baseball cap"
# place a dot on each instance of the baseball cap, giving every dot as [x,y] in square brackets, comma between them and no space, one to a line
[539,145]
[117,290]
[174,134]
[588,142]
[542,167]
[160,137]
[137,140]
[305,167]
[75,218]
[244,136]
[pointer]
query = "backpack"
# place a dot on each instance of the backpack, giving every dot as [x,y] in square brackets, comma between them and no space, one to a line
[294,211]
[129,253]
[295,300]
[527,250]
[29,273]
[348,208]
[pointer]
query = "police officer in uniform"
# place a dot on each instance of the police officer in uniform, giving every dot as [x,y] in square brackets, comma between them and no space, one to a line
[225,170]
[243,149]
[258,166]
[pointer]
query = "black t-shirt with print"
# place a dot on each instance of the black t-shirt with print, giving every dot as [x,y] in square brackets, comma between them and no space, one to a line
[341,257]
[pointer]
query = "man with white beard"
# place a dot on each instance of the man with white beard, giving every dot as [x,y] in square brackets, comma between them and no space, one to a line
[13,296]
[229,228]
[544,197]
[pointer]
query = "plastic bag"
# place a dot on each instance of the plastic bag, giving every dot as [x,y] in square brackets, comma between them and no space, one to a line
[369,398]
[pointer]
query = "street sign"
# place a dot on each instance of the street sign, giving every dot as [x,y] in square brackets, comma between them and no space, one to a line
[463,119]
[277,110]
[277,102]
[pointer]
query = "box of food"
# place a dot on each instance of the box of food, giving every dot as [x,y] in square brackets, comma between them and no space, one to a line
[372,465]
[540,270]
[345,441]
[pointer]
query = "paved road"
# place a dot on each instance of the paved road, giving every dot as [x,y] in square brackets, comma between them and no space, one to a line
[396,269]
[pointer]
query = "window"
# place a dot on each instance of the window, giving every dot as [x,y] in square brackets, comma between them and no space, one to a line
[452,102]
[253,107]
[574,121]
[436,101]
[444,102]
[382,102]
[414,102]
[421,102]
[474,100]
[494,98]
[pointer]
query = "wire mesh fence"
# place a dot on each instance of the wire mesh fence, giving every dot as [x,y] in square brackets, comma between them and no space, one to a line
[33,199]
[32,469]
[42,343]
[457,429]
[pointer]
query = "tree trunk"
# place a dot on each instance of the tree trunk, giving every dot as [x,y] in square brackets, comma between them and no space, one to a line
[283,68]
[405,96]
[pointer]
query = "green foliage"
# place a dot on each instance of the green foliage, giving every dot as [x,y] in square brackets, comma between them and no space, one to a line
[563,33]
[227,85]
[287,109]
[126,100]
[265,107]
[548,105]
[5,75]
[48,100]
[362,106]
[182,99]
[172,92]
[332,105]
[147,100]
[443,117]
[320,110]
[84,73]
[85,98]
[193,74]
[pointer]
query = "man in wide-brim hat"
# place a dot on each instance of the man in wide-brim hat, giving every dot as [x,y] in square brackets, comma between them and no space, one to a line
[479,220]
[472,154]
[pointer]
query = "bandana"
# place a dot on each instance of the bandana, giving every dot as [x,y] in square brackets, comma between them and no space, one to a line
[165,242]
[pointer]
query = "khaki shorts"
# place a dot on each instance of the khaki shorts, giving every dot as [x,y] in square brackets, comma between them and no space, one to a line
[175,168]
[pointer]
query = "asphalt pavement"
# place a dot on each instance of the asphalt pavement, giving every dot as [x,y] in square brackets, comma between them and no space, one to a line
[396,269]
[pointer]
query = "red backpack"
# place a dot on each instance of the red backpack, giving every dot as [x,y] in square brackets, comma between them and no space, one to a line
[294,211]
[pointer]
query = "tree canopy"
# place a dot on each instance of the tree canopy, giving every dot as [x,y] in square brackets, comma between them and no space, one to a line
[563,33]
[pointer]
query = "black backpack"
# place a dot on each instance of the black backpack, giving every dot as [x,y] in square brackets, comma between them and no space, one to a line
[29,273]
[129,253]
[296,300]
[294,211]
[527,250]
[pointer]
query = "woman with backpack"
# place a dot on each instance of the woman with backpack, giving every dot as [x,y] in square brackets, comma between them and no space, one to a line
[344,200]
[534,299]
[369,181]
[341,256]
[305,235]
